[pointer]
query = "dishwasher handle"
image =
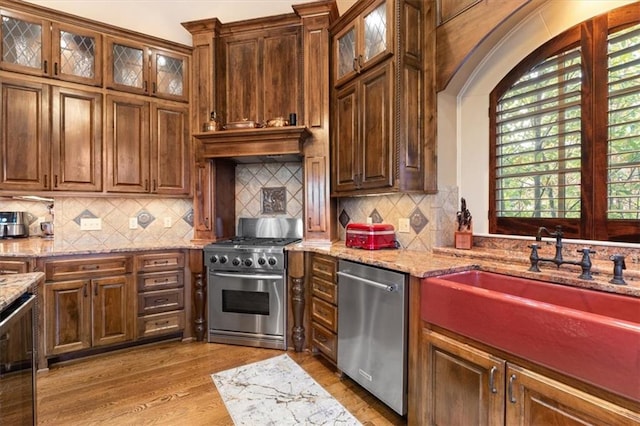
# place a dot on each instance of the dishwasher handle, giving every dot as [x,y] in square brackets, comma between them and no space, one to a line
[372,283]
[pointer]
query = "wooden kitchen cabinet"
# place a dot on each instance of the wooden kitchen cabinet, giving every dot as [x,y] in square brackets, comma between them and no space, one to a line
[36,155]
[378,101]
[14,265]
[87,303]
[160,293]
[263,72]
[24,150]
[465,385]
[76,140]
[363,118]
[139,68]
[364,42]
[38,46]
[324,306]
[147,147]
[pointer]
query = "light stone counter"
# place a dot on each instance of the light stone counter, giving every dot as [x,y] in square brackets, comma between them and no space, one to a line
[442,261]
[12,286]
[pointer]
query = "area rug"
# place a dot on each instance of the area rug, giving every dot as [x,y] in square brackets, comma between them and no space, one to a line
[277,391]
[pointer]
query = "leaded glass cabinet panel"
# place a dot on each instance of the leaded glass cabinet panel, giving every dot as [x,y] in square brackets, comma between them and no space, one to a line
[25,44]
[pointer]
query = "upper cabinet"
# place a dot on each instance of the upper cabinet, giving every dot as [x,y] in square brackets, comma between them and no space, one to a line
[366,41]
[130,133]
[51,139]
[383,100]
[138,68]
[147,146]
[41,47]
[263,71]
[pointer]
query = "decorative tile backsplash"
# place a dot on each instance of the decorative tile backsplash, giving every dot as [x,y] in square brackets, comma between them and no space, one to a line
[269,190]
[431,217]
[149,214]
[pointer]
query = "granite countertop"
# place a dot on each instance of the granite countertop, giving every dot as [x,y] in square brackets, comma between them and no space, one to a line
[40,247]
[13,286]
[447,260]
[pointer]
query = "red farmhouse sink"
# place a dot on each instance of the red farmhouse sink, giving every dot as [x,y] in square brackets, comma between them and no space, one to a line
[590,335]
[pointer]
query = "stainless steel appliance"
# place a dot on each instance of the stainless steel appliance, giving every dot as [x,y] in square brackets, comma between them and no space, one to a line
[247,283]
[14,225]
[372,330]
[18,362]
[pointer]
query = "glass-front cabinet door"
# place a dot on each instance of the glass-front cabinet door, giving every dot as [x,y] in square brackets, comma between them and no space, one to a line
[346,57]
[40,47]
[127,67]
[375,32]
[26,43]
[142,69]
[364,42]
[77,55]
[169,75]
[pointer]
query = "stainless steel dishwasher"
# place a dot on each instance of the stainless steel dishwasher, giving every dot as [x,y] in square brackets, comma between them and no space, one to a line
[372,330]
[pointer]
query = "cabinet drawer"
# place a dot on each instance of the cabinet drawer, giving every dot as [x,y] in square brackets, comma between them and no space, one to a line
[13,267]
[325,341]
[160,261]
[324,313]
[152,302]
[324,267]
[323,289]
[58,270]
[157,324]
[160,280]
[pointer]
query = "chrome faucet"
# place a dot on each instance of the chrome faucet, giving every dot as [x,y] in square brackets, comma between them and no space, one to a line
[584,263]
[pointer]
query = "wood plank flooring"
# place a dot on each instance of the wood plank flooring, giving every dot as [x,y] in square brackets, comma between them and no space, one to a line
[169,383]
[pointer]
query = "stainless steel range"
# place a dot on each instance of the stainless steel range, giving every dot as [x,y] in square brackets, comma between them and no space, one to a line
[247,283]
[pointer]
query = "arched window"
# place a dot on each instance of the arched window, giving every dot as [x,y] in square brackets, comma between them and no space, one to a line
[565,134]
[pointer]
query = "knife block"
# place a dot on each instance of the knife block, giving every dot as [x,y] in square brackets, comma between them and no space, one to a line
[463,239]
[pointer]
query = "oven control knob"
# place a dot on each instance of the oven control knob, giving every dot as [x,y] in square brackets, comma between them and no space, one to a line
[248,262]
[213,259]
[262,261]
[236,261]
[272,261]
[224,259]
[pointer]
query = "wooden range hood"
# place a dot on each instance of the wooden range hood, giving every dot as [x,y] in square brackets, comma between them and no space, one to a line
[271,144]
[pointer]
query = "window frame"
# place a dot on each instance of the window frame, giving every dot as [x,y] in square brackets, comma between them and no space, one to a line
[591,36]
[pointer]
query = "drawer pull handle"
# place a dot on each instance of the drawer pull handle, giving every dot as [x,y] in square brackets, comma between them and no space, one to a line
[164,281]
[161,323]
[321,338]
[165,300]
[160,262]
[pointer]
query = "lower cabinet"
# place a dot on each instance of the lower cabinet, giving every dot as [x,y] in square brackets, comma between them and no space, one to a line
[160,293]
[324,306]
[463,385]
[14,266]
[88,303]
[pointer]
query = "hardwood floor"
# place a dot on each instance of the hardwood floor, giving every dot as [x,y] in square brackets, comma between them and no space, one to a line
[169,383]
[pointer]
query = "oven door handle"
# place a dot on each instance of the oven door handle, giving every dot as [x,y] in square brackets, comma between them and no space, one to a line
[248,276]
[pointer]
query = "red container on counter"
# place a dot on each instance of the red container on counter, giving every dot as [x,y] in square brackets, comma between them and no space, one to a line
[370,236]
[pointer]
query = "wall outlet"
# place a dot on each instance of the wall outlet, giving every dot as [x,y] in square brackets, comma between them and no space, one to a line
[167,222]
[90,224]
[133,223]
[403,225]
